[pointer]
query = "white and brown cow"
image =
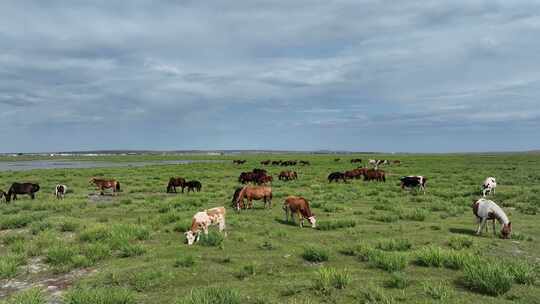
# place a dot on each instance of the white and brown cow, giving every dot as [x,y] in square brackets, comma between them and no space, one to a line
[485,210]
[204,219]
[414,181]
[489,186]
[299,206]
[60,191]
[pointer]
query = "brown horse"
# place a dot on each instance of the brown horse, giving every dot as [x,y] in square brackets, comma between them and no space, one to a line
[374,174]
[287,175]
[254,193]
[21,188]
[176,182]
[103,184]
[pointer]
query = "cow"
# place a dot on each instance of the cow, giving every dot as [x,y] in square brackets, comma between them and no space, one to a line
[60,191]
[204,219]
[413,182]
[356,160]
[489,186]
[377,162]
[299,206]
[485,210]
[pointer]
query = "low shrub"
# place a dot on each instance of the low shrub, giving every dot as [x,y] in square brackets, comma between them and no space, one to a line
[212,295]
[329,278]
[388,261]
[315,255]
[186,261]
[437,291]
[212,239]
[101,295]
[460,242]
[489,278]
[394,245]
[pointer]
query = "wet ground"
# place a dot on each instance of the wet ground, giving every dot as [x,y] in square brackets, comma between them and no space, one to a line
[71,164]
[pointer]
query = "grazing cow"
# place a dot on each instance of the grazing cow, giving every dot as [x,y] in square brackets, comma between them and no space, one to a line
[193,185]
[336,176]
[60,191]
[356,160]
[489,186]
[21,188]
[175,182]
[305,163]
[485,210]
[203,220]
[299,206]
[265,162]
[254,193]
[374,174]
[287,175]
[414,182]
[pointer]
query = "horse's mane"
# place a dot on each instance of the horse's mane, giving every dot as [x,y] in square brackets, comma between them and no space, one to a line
[241,195]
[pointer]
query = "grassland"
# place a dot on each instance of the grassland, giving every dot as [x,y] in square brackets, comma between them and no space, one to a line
[377,243]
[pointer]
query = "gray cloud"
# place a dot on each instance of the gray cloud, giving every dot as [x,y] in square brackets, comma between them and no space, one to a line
[259,68]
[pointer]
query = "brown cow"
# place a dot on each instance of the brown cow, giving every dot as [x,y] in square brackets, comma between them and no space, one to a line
[300,206]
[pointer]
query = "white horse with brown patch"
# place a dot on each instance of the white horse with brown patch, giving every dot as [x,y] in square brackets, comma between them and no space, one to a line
[204,219]
[485,210]
[60,191]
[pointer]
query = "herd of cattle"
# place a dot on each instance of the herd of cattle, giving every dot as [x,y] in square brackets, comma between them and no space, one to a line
[257,189]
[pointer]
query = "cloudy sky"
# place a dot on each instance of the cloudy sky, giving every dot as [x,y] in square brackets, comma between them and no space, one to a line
[418,76]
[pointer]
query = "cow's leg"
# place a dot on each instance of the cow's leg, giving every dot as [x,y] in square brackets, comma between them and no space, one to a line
[481,226]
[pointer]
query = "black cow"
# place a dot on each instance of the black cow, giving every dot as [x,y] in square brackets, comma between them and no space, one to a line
[413,182]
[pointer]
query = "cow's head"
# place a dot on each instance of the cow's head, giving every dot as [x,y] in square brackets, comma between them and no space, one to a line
[506,230]
[313,221]
[190,237]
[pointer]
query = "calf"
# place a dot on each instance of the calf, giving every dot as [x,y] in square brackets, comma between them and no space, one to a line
[414,182]
[489,186]
[204,219]
[60,191]
[299,206]
[485,210]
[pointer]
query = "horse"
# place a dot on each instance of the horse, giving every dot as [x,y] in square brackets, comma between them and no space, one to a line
[21,188]
[355,173]
[193,185]
[485,210]
[103,184]
[175,182]
[336,176]
[264,179]
[259,171]
[374,174]
[60,191]
[287,175]
[254,193]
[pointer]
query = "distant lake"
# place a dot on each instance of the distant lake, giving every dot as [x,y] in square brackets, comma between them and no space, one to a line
[26,165]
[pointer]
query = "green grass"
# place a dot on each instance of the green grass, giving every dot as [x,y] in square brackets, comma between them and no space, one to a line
[132,246]
[212,296]
[29,296]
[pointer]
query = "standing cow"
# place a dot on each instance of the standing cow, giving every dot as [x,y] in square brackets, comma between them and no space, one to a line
[417,181]
[489,186]
[297,205]
[204,219]
[60,191]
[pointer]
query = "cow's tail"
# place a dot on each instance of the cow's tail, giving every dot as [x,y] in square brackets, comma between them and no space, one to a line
[117,186]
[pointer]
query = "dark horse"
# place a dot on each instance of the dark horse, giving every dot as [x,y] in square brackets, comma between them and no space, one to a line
[336,176]
[176,182]
[21,188]
[193,185]
[103,184]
